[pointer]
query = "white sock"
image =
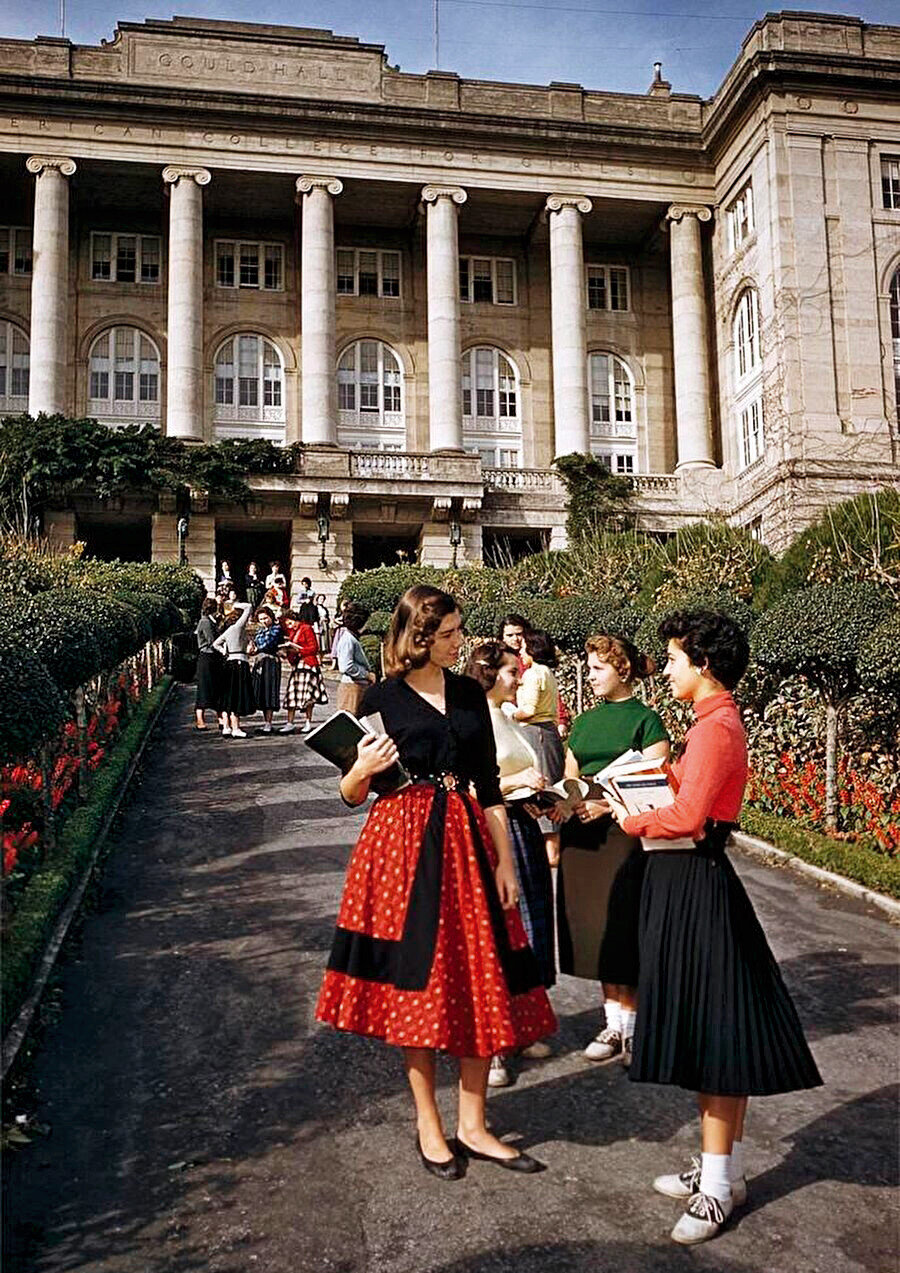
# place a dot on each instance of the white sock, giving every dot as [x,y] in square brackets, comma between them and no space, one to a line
[736,1162]
[715,1181]
[627,1016]
[613,1012]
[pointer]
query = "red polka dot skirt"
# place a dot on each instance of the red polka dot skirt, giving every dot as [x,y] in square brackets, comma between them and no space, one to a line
[480,990]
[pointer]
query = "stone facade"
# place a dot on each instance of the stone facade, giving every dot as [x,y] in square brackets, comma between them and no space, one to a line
[439,284]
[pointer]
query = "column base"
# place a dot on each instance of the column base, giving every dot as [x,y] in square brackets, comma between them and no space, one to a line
[682,465]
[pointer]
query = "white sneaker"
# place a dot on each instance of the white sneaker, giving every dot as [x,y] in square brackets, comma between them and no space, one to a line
[305,729]
[288,728]
[704,1218]
[266,729]
[238,733]
[686,1183]
[498,1074]
[607,1044]
[537,1051]
[627,1051]
[225,732]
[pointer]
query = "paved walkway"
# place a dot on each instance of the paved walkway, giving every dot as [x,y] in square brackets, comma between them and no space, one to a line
[201,1121]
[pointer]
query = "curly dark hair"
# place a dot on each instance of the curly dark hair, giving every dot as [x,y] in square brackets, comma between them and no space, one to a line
[355,616]
[539,646]
[711,639]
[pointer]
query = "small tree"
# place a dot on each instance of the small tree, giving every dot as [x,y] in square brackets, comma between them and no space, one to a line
[819,633]
[597,499]
[880,658]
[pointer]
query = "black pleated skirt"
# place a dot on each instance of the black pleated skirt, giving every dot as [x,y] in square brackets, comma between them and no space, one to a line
[714,1014]
[237,691]
[535,889]
[267,683]
[210,675]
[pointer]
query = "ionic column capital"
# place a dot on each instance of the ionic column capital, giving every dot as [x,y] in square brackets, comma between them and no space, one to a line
[333,185]
[431,194]
[59,163]
[556,202]
[173,173]
[680,210]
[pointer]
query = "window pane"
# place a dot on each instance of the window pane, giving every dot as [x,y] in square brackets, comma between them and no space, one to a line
[505,282]
[368,273]
[4,250]
[149,260]
[482,282]
[99,386]
[22,258]
[346,395]
[618,288]
[99,377]
[464,278]
[600,388]
[101,256]
[345,273]
[390,274]
[249,265]
[273,268]
[597,287]
[622,387]
[225,265]
[890,182]
[126,258]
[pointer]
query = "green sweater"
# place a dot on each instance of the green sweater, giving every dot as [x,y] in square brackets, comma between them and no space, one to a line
[609,729]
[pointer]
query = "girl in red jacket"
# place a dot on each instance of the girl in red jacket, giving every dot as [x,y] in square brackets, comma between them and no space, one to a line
[305,686]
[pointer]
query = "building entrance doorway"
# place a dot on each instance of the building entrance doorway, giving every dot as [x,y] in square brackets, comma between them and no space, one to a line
[240,542]
[503,547]
[116,537]
[381,546]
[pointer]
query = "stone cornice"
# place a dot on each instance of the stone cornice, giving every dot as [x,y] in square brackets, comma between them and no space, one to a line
[305,184]
[173,173]
[556,202]
[431,194]
[59,163]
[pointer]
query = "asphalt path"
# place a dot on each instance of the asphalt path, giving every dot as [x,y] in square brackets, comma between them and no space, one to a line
[199,1119]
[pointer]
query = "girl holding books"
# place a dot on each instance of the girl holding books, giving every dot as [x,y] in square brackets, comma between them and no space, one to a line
[430,952]
[601,867]
[714,1015]
[305,686]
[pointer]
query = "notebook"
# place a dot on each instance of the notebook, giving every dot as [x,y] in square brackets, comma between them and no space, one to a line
[336,740]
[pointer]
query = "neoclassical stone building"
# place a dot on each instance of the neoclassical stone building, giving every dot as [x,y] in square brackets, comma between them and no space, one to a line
[439,284]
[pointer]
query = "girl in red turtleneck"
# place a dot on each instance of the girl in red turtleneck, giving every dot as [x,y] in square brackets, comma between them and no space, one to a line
[714,1015]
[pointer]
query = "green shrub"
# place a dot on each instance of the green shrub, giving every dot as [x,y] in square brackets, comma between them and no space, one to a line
[371,645]
[32,706]
[648,639]
[879,658]
[707,557]
[597,499]
[377,623]
[381,589]
[569,620]
[65,636]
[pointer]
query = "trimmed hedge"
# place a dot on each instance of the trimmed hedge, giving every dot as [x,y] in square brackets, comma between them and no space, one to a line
[859,862]
[32,706]
[47,891]
[569,620]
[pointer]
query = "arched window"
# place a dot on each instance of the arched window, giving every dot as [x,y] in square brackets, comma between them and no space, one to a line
[895,338]
[748,400]
[14,359]
[249,389]
[123,377]
[490,402]
[746,335]
[613,423]
[370,398]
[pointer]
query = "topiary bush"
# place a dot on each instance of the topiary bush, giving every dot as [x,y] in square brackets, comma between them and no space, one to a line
[378,623]
[381,589]
[32,706]
[879,657]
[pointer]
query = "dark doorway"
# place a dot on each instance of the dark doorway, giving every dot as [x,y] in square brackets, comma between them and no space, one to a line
[240,542]
[385,549]
[112,537]
[503,547]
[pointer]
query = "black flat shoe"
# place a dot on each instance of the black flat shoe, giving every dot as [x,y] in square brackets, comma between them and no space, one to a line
[449,1170]
[522,1162]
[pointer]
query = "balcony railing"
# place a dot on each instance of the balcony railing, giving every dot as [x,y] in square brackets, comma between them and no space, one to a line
[389,464]
[522,480]
[654,482]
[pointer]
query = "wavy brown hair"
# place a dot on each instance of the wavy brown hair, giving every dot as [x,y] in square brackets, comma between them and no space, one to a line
[419,614]
[486,660]
[621,654]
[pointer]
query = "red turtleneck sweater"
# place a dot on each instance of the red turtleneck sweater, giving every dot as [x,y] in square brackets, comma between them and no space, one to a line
[712,775]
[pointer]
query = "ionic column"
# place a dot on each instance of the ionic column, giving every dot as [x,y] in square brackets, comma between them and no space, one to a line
[184,391]
[318,290]
[49,283]
[568,316]
[690,337]
[444,374]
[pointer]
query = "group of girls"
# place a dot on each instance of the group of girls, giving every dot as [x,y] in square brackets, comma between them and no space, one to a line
[431,952]
[228,685]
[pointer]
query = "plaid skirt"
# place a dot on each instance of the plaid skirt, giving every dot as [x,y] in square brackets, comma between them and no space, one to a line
[305,685]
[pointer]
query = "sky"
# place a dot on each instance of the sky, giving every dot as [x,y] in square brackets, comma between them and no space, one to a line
[596,43]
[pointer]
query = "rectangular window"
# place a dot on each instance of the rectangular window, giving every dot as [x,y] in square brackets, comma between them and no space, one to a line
[509,459]
[346,395]
[149,259]
[5,255]
[225,265]
[21,257]
[249,265]
[487,280]
[368,272]
[608,287]
[248,372]
[751,439]
[890,182]
[272,277]
[740,219]
[99,386]
[126,258]
[101,257]
[624,463]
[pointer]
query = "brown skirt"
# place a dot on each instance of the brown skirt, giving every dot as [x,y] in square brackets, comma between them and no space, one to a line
[349,696]
[588,871]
